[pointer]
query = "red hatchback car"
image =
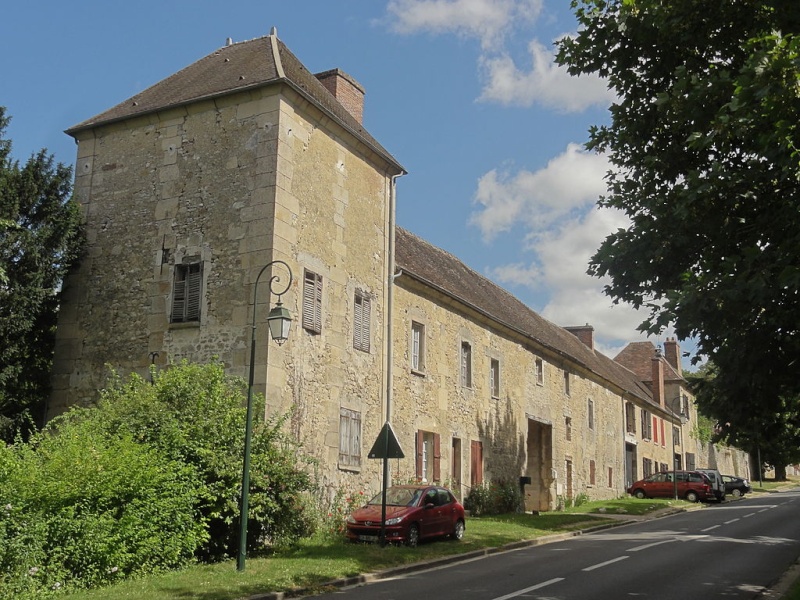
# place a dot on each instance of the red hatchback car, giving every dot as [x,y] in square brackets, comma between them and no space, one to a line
[413,513]
[691,485]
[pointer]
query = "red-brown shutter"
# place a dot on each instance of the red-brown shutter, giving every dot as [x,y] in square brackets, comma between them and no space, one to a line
[437,457]
[420,450]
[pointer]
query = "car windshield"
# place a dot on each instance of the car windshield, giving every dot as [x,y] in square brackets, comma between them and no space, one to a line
[398,496]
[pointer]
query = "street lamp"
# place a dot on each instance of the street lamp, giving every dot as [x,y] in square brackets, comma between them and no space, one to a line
[681,417]
[279,322]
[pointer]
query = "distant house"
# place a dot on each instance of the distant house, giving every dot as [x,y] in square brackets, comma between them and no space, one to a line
[191,187]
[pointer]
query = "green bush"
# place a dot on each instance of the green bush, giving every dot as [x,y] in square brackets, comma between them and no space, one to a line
[196,414]
[494,498]
[82,509]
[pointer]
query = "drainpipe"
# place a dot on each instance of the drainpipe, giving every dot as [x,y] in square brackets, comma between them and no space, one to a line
[390,297]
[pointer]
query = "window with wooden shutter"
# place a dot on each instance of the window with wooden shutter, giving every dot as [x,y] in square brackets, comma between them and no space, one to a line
[312,302]
[361,315]
[187,291]
[466,364]
[476,463]
[417,347]
[349,438]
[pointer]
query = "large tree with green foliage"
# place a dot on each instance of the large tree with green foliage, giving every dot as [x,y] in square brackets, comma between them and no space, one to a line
[703,141]
[39,239]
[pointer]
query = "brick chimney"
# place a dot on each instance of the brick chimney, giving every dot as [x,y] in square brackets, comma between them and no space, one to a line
[346,90]
[658,378]
[672,352]
[584,333]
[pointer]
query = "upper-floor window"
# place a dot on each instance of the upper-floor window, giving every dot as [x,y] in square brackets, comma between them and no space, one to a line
[566,382]
[568,428]
[647,427]
[539,366]
[590,413]
[630,417]
[494,377]
[186,293]
[592,473]
[361,315]
[417,346]
[466,364]
[312,302]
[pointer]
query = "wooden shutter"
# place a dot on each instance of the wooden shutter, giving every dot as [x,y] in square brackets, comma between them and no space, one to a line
[361,314]
[437,457]
[312,302]
[194,280]
[178,295]
[476,463]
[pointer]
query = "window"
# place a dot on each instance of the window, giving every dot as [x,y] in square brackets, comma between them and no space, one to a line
[568,428]
[610,476]
[655,429]
[691,465]
[466,365]
[494,378]
[476,463]
[429,456]
[539,366]
[186,292]
[592,472]
[312,302]
[361,312]
[647,431]
[417,347]
[663,435]
[676,436]
[566,382]
[455,468]
[647,467]
[590,412]
[630,418]
[349,438]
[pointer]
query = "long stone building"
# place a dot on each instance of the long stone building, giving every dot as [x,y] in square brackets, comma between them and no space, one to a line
[190,188]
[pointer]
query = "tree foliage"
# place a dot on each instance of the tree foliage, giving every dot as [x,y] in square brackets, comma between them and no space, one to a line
[40,237]
[703,142]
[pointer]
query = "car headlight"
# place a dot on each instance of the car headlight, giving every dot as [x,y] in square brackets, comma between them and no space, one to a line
[394,521]
[351,520]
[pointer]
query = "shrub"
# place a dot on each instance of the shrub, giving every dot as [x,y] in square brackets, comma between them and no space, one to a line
[82,509]
[196,414]
[494,498]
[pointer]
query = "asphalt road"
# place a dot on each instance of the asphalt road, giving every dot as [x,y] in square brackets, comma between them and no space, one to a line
[734,550]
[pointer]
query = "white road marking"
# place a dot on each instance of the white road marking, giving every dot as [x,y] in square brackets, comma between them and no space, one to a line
[605,564]
[646,546]
[710,528]
[530,589]
[750,515]
[731,521]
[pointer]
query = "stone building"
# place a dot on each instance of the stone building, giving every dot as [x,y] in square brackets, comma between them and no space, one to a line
[190,188]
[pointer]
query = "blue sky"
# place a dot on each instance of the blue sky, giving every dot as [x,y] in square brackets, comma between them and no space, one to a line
[464,93]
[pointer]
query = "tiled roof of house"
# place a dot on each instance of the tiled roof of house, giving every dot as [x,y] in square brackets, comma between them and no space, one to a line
[446,274]
[230,69]
[638,357]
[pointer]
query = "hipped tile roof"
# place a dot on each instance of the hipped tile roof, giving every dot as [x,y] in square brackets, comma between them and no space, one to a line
[443,272]
[236,68]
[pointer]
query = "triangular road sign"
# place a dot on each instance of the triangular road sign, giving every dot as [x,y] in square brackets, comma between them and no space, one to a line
[386,446]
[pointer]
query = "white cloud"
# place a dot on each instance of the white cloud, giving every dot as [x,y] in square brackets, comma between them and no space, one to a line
[572,180]
[545,83]
[486,20]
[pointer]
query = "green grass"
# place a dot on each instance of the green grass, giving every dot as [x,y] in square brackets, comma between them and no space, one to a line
[314,562]
[628,506]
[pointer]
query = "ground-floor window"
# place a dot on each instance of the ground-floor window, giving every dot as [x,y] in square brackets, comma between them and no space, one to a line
[428,456]
[476,463]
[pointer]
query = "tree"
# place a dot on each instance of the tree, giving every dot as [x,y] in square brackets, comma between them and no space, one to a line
[40,237]
[703,141]
[769,430]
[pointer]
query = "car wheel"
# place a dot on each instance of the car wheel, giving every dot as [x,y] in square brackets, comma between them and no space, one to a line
[458,531]
[692,496]
[737,493]
[639,494]
[413,536]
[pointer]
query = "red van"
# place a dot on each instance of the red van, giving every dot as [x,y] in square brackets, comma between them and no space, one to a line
[692,486]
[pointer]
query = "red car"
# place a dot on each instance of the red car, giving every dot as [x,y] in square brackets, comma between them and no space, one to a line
[413,513]
[691,485]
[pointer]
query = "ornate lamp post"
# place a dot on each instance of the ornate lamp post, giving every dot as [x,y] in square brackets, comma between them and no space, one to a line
[681,417]
[279,322]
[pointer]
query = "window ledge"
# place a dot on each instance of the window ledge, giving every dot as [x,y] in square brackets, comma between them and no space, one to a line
[418,373]
[185,325]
